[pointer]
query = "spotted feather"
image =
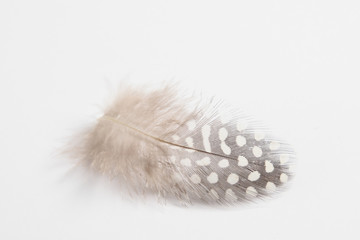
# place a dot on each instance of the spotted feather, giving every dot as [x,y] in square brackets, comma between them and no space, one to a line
[161,142]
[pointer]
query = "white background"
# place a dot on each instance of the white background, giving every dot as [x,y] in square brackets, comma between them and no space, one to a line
[292,64]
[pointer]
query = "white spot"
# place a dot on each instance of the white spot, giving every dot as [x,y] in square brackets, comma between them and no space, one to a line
[241,125]
[203,162]
[191,125]
[195,178]
[283,178]
[230,195]
[177,177]
[270,187]
[233,178]
[259,135]
[175,137]
[274,145]
[242,161]
[284,158]
[225,148]
[223,134]
[269,167]
[257,151]
[253,176]
[213,178]
[251,191]
[206,130]
[214,194]
[172,159]
[240,140]
[185,162]
[189,141]
[223,163]
[175,147]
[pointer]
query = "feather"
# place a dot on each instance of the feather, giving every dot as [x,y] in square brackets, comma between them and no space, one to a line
[186,148]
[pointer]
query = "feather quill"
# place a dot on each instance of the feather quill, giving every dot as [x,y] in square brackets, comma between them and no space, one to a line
[175,146]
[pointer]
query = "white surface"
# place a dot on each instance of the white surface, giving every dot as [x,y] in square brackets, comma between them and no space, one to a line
[292,64]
